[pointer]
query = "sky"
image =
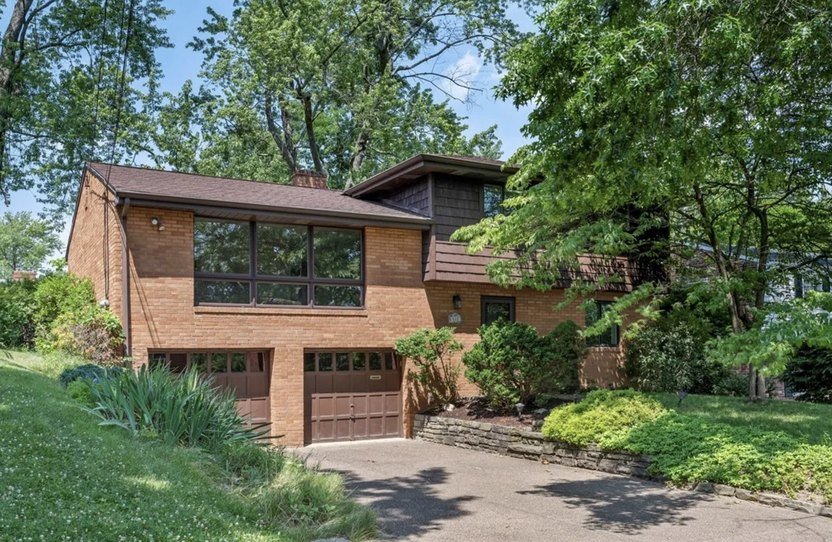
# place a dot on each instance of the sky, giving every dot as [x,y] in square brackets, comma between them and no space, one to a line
[180,63]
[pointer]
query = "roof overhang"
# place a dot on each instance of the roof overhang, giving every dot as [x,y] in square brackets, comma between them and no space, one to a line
[274,214]
[422,164]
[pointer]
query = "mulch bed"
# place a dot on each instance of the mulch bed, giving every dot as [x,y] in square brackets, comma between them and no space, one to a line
[475,409]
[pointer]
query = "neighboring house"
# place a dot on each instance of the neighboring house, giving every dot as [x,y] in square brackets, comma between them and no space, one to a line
[293,296]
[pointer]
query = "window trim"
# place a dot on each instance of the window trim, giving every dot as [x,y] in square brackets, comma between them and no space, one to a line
[309,280]
[511,301]
[615,331]
[502,189]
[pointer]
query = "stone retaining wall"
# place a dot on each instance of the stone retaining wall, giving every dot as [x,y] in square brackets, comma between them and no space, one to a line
[515,442]
[525,444]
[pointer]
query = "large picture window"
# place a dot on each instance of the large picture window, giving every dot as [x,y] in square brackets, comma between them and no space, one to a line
[264,264]
[610,336]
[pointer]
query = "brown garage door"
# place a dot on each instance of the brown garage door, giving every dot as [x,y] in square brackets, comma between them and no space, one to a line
[352,395]
[246,373]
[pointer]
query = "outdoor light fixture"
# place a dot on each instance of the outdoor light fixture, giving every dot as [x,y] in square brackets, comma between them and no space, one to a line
[157,222]
[457,299]
[519,407]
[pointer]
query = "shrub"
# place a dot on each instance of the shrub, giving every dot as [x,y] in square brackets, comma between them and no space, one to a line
[512,363]
[185,409]
[431,350]
[253,465]
[603,417]
[809,373]
[81,391]
[59,293]
[91,332]
[731,383]
[670,355]
[17,329]
[90,372]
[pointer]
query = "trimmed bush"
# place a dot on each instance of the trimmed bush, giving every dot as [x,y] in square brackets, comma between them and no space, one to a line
[184,409]
[603,417]
[809,374]
[431,351]
[56,294]
[512,363]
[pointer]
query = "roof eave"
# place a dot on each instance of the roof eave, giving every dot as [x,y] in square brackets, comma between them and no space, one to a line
[147,200]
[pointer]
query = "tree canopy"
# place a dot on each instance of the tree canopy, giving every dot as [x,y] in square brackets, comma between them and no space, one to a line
[77,79]
[25,243]
[712,118]
[341,87]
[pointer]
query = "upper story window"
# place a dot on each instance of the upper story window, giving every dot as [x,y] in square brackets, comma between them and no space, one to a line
[264,264]
[492,198]
[497,308]
[593,314]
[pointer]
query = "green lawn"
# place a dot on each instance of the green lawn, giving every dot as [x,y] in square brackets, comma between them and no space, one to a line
[808,422]
[64,477]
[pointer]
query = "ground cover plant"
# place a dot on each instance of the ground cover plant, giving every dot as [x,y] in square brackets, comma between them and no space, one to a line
[65,477]
[772,446]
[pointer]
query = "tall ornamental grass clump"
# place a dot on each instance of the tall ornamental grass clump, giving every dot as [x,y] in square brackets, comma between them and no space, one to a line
[184,409]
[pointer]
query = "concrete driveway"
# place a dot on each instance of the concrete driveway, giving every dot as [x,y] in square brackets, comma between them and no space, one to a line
[425,491]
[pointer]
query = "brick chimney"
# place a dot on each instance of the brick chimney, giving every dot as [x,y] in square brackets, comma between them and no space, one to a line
[309,179]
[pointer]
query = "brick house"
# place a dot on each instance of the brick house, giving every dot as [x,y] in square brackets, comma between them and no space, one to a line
[293,295]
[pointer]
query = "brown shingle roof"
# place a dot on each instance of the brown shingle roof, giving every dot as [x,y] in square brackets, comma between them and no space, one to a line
[170,186]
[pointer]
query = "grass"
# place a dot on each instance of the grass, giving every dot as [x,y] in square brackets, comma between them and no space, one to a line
[771,446]
[65,477]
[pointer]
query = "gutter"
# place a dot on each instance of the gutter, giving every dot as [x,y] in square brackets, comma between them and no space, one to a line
[125,282]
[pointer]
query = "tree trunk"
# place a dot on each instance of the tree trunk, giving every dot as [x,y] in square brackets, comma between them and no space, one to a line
[309,121]
[282,135]
[10,57]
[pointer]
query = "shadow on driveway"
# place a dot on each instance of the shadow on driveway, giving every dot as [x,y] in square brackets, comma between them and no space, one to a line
[622,505]
[408,505]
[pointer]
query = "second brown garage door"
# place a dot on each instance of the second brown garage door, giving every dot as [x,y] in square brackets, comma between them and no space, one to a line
[352,395]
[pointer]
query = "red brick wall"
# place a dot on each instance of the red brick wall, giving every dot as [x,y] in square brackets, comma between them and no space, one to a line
[89,238]
[397,302]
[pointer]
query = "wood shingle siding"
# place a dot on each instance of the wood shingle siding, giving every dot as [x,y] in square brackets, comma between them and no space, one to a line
[457,203]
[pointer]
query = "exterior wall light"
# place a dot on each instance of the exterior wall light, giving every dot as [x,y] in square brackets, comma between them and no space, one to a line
[457,299]
[157,223]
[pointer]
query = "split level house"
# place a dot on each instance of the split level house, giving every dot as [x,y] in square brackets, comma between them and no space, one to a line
[293,295]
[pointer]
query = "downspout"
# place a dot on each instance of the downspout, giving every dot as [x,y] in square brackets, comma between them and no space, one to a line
[125,281]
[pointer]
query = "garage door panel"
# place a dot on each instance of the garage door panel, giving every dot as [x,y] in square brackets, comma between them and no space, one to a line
[351,402]
[360,408]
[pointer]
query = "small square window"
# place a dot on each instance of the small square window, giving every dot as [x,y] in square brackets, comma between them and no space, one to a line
[359,361]
[219,362]
[492,199]
[158,360]
[495,309]
[342,362]
[375,361]
[325,362]
[610,336]
[309,362]
[238,362]
[199,361]
[178,362]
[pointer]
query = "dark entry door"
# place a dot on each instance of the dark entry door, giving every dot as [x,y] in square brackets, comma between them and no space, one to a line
[352,395]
